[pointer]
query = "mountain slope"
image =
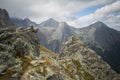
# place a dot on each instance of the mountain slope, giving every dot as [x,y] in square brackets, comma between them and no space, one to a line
[98,36]
[104,40]
[88,60]
[55,33]
[49,23]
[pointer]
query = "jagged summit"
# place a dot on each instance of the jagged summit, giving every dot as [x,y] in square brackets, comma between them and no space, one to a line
[51,19]
[49,23]
[4,18]
[22,22]
[3,14]
[99,24]
[26,19]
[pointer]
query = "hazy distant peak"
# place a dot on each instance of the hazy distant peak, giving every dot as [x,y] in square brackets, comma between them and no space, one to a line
[98,24]
[49,23]
[26,19]
[51,20]
[22,22]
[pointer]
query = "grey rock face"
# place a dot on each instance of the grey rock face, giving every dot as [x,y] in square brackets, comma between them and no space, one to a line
[54,45]
[49,23]
[16,43]
[56,33]
[104,40]
[4,18]
[42,38]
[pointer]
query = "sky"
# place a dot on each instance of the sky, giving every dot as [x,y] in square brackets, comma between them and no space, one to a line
[77,13]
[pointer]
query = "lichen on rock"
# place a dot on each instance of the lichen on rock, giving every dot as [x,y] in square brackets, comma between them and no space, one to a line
[15,44]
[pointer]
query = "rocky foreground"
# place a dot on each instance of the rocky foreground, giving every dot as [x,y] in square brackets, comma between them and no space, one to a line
[23,58]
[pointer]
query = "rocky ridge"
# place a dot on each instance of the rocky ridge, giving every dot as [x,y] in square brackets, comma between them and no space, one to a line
[16,46]
[26,22]
[88,59]
[104,40]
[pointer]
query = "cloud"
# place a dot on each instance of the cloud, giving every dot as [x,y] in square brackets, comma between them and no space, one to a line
[113,21]
[43,9]
[108,14]
[63,10]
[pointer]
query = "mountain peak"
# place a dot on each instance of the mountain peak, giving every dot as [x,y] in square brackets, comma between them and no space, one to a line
[50,22]
[26,19]
[3,14]
[98,24]
[22,22]
[51,19]
[4,18]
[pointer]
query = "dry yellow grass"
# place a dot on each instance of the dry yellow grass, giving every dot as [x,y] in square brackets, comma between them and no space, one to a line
[42,48]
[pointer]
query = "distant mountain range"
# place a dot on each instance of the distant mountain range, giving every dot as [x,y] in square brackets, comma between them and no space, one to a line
[22,22]
[98,36]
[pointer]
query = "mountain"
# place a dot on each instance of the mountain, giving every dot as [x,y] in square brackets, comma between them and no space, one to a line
[22,22]
[98,36]
[4,18]
[55,33]
[49,23]
[104,40]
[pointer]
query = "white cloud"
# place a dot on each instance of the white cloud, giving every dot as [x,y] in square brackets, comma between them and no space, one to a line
[113,21]
[62,10]
[102,14]
[42,9]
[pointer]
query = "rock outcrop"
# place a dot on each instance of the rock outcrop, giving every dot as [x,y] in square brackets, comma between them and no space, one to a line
[89,60]
[76,62]
[26,22]
[16,45]
[4,18]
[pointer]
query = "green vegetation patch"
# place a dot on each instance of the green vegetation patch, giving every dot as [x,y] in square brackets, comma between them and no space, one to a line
[85,74]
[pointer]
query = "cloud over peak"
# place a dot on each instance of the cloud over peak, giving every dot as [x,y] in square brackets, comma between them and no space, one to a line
[63,10]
